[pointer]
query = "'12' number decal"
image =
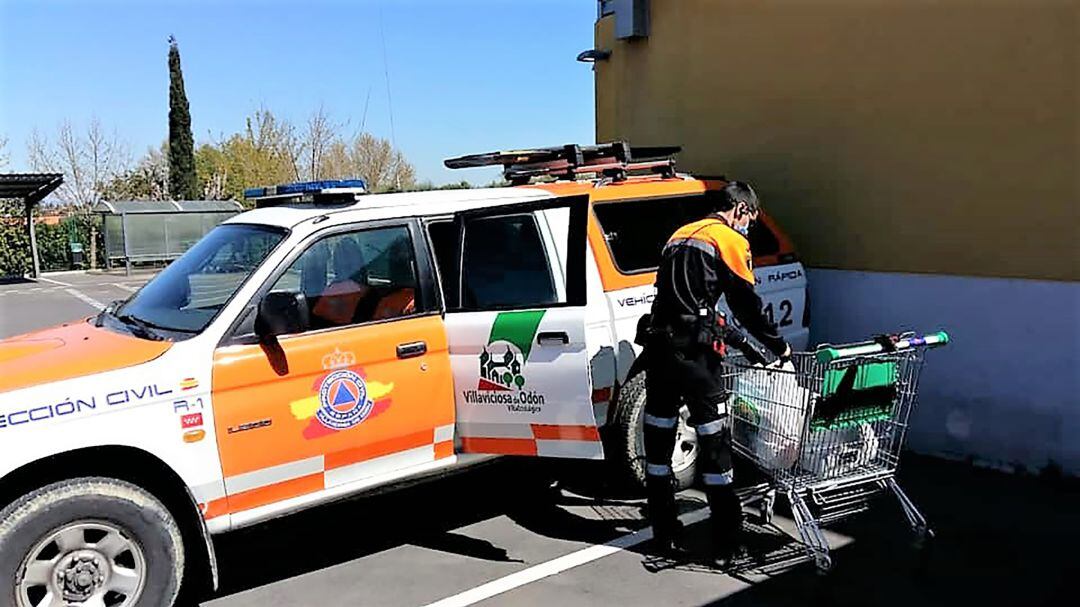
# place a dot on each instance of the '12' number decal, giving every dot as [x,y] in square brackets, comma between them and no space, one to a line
[785,310]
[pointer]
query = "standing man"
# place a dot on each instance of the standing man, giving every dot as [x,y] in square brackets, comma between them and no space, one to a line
[702,262]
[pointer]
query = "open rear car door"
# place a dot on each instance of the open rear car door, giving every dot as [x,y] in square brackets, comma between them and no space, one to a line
[515,295]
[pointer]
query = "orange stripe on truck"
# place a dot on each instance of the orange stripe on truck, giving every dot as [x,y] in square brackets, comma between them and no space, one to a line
[384,447]
[270,494]
[549,432]
[215,508]
[503,446]
[444,449]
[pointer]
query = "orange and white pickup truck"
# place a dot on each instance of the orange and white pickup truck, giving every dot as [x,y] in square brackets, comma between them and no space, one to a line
[329,343]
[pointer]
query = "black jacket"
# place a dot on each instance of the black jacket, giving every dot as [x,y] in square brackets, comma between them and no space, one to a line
[702,262]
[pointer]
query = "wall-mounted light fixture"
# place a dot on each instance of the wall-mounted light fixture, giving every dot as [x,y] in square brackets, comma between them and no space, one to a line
[593,55]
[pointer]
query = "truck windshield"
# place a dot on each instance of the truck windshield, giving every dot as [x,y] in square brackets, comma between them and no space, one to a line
[186,296]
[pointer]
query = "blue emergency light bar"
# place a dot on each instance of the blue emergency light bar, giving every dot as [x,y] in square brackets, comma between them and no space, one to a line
[305,187]
[326,192]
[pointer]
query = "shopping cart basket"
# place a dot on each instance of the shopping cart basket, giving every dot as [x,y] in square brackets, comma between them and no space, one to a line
[827,430]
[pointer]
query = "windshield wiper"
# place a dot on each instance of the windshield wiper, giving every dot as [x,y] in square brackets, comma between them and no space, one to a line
[143,328]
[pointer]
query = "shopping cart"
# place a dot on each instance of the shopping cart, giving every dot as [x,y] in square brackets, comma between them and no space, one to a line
[827,430]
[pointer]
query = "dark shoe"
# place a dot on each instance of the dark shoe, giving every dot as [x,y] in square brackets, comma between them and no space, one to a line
[674,549]
[723,556]
[669,543]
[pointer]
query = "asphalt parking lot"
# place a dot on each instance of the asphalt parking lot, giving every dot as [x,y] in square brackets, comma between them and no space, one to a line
[497,535]
[28,305]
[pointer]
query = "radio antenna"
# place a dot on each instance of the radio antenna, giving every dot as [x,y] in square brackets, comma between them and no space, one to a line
[386,75]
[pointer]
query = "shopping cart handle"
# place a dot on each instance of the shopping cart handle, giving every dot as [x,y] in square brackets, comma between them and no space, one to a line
[829,353]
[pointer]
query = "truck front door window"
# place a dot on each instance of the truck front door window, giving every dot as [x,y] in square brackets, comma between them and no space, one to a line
[355,277]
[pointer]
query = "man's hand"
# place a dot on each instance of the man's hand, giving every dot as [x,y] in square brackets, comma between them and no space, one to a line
[786,356]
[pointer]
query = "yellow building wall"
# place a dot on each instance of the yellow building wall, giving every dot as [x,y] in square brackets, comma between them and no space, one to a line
[888,135]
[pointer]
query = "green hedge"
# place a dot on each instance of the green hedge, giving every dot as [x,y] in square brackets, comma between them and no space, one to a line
[54,242]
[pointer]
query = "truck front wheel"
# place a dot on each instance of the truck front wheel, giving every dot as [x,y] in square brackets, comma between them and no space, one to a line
[89,541]
[628,438]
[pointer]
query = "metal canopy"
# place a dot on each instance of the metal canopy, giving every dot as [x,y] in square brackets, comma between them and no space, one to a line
[30,188]
[120,207]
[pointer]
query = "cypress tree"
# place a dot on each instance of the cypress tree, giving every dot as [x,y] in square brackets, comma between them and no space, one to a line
[182,182]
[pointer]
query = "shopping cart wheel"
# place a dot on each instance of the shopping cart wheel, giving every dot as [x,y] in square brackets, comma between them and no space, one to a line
[924,537]
[765,509]
[823,563]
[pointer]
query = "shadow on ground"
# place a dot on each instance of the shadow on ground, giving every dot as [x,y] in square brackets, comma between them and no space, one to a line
[1001,540]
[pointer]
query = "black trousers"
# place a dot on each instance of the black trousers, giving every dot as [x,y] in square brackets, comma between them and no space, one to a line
[688,373]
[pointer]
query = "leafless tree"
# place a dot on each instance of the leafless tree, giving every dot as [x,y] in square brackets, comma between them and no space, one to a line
[370,157]
[382,166]
[214,186]
[147,180]
[89,161]
[318,137]
[4,156]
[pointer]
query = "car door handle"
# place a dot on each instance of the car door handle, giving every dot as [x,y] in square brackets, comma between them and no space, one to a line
[552,338]
[411,349]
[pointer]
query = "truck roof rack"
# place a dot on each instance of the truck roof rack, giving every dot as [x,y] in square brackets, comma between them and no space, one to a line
[327,192]
[613,160]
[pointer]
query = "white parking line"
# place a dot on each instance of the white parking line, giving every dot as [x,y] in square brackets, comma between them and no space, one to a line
[86,299]
[124,287]
[559,565]
[55,282]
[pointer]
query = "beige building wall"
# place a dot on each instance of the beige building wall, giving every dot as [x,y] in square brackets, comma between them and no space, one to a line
[889,135]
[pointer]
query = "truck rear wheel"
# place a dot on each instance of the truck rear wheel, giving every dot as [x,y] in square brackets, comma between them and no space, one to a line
[89,541]
[628,438]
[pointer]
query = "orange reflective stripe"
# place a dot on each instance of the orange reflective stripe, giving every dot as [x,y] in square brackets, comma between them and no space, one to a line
[384,447]
[444,449]
[551,432]
[215,508]
[277,492]
[270,485]
[504,446]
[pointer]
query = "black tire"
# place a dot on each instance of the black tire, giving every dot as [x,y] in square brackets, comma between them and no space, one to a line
[627,440]
[139,515]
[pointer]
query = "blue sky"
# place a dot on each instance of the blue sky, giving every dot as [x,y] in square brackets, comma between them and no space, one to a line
[465,75]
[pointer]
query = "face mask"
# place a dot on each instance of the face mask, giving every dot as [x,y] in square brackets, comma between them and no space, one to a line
[744,230]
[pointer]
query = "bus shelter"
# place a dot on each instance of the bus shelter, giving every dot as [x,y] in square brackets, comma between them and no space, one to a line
[157,231]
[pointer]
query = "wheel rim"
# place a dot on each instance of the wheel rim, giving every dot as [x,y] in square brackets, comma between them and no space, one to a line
[88,563]
[686,444]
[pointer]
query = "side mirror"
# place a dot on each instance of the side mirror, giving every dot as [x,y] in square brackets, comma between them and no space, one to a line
[281,313]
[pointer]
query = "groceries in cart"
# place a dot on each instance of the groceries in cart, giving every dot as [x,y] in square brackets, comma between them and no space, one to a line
[826,427]
[843,415]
